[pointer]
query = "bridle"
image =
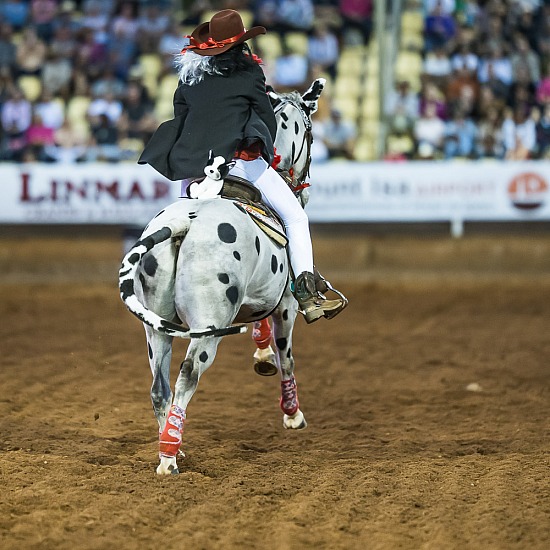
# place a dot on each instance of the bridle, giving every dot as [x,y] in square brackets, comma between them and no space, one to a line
[298,180]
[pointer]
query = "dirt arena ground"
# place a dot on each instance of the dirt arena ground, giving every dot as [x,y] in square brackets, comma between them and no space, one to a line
[428,403]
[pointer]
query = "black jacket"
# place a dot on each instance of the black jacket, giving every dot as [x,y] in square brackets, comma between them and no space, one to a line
[219,114]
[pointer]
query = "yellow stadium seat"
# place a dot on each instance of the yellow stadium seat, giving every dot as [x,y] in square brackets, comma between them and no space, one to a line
[348,106]
[77,108]
[269,44]
[167,86]
[347,86]
[365,150]
[412,21]
[297,42]
[164,109]
[31,86]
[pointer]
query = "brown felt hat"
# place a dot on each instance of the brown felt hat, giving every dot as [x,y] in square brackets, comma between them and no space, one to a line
[223,31]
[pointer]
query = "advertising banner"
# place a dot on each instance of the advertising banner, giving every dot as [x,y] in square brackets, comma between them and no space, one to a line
[340,192]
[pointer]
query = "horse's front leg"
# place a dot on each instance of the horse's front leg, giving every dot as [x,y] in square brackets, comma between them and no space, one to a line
[200,355]
[283,323]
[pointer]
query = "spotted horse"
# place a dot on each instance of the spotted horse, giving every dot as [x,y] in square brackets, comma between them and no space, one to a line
[201,269]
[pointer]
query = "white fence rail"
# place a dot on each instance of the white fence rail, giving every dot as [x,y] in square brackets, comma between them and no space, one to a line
[341,192]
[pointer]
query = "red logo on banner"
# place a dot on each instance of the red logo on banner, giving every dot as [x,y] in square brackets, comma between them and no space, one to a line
[528,191]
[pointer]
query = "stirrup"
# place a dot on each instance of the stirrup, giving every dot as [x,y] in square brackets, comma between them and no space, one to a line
[345,301]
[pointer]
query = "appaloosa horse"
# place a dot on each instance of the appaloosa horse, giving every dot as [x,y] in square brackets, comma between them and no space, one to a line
[199,267]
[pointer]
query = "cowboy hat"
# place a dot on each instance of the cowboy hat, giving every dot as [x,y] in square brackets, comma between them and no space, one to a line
[223,31]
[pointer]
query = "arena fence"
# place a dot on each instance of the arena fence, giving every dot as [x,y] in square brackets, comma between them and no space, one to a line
[340,192]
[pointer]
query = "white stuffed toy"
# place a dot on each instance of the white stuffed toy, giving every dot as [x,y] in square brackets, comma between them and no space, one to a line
[211,186]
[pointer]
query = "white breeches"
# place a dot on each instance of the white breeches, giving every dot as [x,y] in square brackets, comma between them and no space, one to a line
[278,196]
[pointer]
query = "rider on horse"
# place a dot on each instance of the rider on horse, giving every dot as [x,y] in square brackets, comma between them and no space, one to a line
[221,108]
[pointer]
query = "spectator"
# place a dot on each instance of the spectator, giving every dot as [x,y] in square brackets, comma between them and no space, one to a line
[432,95]
[294,15]
[496,64]
[104,141]
[465,59]
[37,137]
[8,50]
[462,90]
[525,59]
[31,53]
[402,107]
[108,83]
[323,49]
[356,17]
[137,120]
[15,119]
[49,110]
[489,138]
[15,12]
[460,136]
[68,146]
[90,55]
[171,42]
[152,25]
[64,41]
[518,134]
[543,90]
[291,70]
[107,105]
[97,20]
[43,13]
[447,6]
[437,65]
[56,73]
[439,28]
[429,130]
[542,130]
[339,136]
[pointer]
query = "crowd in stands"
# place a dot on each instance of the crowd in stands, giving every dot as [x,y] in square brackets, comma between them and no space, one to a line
[74,83]
[485,85]
[73,77]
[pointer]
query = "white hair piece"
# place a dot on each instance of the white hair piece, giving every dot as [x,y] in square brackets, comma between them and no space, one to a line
[192,67]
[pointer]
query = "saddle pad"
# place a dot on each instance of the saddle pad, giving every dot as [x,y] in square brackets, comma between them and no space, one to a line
[270,226]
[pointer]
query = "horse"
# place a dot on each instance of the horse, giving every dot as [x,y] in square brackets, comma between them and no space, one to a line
[204,268]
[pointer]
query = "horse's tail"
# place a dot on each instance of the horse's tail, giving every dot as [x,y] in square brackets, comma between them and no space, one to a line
[126,277]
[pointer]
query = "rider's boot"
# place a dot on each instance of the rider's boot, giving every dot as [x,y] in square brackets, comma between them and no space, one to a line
[313,304]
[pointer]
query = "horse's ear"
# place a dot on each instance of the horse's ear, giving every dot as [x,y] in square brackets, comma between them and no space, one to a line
[311,96]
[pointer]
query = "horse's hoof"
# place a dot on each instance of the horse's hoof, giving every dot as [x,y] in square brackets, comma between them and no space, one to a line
[264,362]
[167,466]
[295,422]
[264,368]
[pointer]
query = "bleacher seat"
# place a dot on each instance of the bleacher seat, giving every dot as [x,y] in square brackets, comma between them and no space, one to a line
[31,86]
[347,86]
[77,108]
[365,149]
[151,65]
[297,42]
[270,45]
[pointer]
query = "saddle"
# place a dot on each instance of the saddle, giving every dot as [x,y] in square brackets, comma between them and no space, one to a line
[249,199]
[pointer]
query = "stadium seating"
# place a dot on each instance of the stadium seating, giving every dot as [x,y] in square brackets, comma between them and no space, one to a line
[31,86]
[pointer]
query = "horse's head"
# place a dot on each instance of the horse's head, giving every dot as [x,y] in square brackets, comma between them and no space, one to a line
[293,141]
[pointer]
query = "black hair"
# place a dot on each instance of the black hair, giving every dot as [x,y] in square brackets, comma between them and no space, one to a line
[237,58]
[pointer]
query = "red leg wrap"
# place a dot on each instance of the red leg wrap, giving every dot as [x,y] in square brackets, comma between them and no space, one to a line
[261,333]
[289,397]
[170,438]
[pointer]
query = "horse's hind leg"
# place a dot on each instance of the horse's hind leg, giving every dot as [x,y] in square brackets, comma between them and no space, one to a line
[159,350]
[283,323]
[200,355]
